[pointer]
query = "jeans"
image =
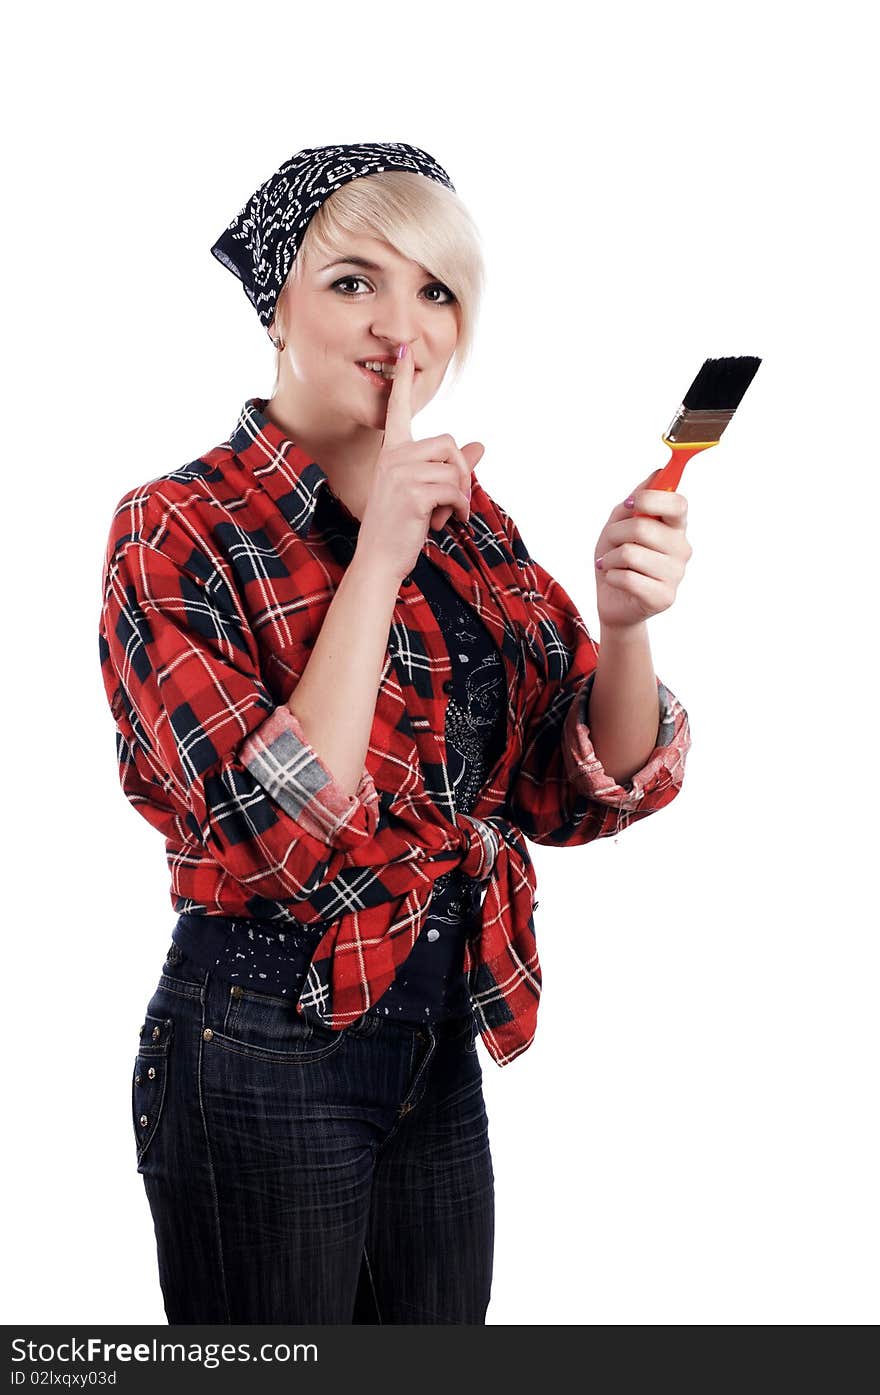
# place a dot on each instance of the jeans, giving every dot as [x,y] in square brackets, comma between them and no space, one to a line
[297,1174]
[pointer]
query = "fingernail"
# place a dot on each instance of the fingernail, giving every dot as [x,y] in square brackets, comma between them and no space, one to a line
[401,352]
[628,503]
[599,562]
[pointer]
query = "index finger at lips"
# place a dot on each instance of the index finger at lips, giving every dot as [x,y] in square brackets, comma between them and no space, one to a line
[398,412]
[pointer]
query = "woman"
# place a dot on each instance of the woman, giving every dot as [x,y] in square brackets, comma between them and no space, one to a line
[346,694]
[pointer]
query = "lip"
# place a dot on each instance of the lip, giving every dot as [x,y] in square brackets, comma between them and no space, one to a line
[380,383]
[384,358]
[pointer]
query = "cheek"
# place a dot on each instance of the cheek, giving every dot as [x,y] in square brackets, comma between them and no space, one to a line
[315,363]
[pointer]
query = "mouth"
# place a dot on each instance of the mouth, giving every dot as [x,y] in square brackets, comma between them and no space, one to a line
[382,379]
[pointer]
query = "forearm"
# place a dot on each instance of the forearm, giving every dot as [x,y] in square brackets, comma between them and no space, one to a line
[335,699]
[624,709]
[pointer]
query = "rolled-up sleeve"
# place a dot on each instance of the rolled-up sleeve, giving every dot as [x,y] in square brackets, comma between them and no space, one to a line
[663,769]
[280,757]
[198,726]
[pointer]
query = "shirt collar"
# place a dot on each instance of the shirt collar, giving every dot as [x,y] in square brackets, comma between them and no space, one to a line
[283,469]
[294,481]
[286,472]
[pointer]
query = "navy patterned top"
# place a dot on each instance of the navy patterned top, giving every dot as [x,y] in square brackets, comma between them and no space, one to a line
[431,985]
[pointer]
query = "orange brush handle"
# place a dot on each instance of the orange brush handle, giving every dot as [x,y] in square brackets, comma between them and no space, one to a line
[669,475]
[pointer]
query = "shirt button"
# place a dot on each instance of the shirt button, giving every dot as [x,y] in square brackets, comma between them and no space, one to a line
[448,686]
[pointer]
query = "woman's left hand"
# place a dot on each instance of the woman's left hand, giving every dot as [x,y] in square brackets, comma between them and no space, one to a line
[643,559]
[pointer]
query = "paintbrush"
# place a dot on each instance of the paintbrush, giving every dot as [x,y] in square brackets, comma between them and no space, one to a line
[707,409]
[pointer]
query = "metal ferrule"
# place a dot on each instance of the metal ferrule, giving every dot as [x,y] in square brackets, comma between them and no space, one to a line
[689,426]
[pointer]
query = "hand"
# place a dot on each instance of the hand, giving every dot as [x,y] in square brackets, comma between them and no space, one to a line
[416,484]
[643,559]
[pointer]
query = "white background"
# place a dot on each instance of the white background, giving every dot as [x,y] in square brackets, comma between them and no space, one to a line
[692,1137]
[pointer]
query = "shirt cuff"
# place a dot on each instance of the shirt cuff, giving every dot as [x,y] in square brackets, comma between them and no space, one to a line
[664,766]
[280,758]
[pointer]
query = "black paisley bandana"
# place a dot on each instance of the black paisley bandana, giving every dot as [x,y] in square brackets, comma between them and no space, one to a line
[260,244]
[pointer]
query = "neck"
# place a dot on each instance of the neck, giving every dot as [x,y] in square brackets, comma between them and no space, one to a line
[346,451]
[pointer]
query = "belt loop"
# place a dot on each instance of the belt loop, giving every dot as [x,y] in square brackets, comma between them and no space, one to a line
[215,996]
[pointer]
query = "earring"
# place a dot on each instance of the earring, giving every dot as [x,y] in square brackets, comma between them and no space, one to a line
[277,342]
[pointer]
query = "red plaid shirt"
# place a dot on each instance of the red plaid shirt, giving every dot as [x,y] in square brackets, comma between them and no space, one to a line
[216,583]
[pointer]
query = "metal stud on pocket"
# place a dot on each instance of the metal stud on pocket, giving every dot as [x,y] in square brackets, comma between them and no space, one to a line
[144,1120]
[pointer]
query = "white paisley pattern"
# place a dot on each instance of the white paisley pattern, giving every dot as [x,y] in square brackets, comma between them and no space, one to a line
[260,245]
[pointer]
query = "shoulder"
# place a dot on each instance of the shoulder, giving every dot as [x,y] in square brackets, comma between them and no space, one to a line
[171,517]
[492,526]
[534,583]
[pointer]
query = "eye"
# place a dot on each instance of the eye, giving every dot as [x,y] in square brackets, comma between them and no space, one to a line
[438,286]
[355,280]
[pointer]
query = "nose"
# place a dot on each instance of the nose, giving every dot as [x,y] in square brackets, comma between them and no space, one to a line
[396,321]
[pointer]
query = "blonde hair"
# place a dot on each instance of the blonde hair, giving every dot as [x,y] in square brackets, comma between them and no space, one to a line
[422,220]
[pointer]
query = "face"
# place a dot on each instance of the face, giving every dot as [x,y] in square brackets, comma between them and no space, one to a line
[334,316]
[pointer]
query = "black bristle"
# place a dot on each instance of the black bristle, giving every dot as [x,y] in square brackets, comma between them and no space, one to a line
[720,384]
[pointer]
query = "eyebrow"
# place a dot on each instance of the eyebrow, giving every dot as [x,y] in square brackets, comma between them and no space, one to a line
[360,261]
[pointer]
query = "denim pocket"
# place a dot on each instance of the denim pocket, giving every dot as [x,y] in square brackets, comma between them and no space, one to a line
[149,1080]
[270,1028]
